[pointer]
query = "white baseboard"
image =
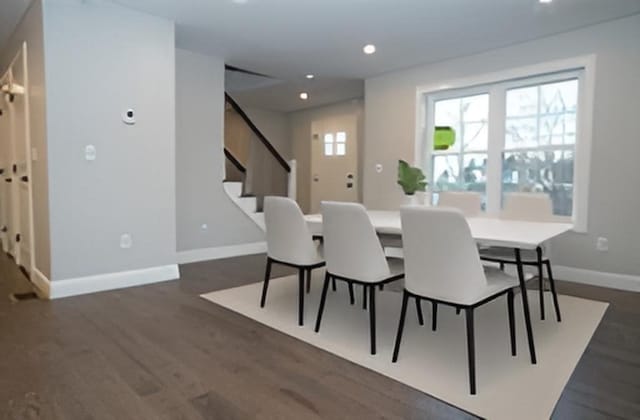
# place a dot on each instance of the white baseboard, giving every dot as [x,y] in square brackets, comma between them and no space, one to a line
[41,281]
[597,278]
[576,275]
[110,281]
[205,254]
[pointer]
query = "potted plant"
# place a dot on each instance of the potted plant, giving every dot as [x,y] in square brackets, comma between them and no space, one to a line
[412,181]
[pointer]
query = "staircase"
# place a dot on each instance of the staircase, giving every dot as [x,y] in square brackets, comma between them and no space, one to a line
[254,169]
[247,203]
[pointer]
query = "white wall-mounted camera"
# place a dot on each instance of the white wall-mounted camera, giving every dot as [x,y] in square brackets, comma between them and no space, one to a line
[129,116]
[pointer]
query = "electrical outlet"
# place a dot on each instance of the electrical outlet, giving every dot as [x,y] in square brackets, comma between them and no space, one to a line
[602,244]
[126,241]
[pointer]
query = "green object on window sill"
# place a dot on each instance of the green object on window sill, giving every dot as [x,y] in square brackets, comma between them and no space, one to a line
[443,138]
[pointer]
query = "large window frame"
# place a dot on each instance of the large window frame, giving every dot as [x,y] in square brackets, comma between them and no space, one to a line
[496,85]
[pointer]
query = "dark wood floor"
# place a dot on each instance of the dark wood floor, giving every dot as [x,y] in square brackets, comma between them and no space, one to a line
[160,351]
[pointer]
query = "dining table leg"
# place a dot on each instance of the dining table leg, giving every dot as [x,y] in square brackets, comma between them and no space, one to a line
[525,306]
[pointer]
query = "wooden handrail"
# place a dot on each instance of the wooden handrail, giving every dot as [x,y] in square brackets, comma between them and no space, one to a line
[257,132]
[239,166]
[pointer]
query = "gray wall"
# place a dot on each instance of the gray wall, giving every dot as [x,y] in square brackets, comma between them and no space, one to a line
[30,29]
[300,135]
[100,60]
[200,159]
[613,200]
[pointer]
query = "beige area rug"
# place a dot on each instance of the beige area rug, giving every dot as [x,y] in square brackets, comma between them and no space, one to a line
[436,362]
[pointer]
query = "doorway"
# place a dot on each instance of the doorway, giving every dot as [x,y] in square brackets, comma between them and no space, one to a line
[334,160]
[16,213]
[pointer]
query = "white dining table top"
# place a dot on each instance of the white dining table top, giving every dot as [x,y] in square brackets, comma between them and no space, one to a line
[485,230]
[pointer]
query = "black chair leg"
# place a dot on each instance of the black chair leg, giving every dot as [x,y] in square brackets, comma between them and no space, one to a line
[265,286]
[501,266]
[552,284]
[471,350]
[512,321]
[301,296]
[381,287]
[525,307]
[457,311]
[323,298]
[540,282]
[419,310]
[364,296]
[403,312]
[352,298]
[308,281]
[434,316]
[333,284]
[372,317]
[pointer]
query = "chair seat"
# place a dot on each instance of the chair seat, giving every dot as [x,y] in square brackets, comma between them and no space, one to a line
[396,269]
[316,259]
[497,281]
[508,254]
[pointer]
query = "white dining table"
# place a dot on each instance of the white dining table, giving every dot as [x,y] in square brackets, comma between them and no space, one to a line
[487,231]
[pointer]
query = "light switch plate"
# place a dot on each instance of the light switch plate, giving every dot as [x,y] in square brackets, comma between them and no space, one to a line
[90,152]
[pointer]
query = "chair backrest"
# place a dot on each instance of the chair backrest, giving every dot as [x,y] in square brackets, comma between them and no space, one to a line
[440,257]
[351,246]
[288,237]
[468,202]
[534,207]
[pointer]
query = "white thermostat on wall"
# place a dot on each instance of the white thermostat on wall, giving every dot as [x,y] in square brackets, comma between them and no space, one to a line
[129,116]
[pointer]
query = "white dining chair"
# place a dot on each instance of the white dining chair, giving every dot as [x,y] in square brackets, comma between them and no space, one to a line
[354,255]
[442,265]
[468,202]
[290,243]
[531,207]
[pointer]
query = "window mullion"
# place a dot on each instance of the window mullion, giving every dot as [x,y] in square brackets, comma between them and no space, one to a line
[497,129]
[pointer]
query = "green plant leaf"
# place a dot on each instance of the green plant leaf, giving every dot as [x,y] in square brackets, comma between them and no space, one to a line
[411,179]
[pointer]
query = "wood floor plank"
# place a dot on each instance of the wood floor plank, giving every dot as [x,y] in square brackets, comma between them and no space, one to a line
[161,352]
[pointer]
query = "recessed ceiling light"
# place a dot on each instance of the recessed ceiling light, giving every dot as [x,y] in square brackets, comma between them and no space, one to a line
[239,1]
[310,76]
[304,96]
[369,49]
[545,1]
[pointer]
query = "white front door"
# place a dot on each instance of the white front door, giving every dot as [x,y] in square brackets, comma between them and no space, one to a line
[334,160]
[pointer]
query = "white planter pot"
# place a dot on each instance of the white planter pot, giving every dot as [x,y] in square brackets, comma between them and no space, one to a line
[416,199]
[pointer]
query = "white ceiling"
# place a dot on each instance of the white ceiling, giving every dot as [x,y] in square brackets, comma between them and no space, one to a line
[288,38]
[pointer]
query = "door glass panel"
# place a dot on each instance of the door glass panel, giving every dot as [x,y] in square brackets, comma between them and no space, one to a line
[328,144]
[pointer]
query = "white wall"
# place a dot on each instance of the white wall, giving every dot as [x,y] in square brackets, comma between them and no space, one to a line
[200,159]
[300,135]
[100,60]
[30,29]
[613,199]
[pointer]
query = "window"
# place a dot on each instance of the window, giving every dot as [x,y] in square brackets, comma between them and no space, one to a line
[516,135]
[463,165]
[540,141]
[335,144]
